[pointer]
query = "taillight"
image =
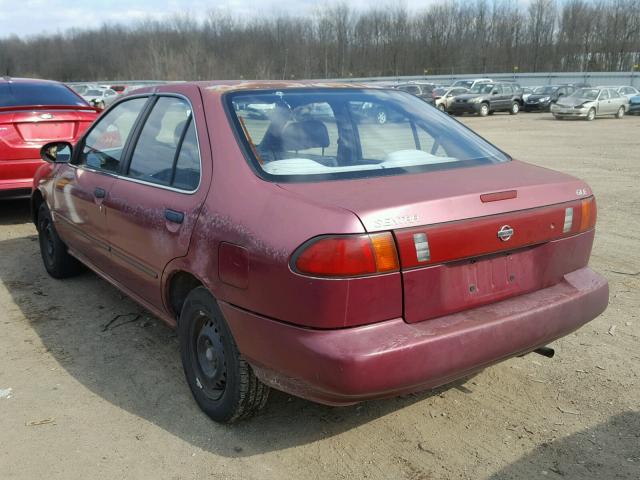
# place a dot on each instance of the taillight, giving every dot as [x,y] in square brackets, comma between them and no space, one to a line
[347,255]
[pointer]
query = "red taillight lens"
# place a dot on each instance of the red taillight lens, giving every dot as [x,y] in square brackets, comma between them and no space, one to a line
[347,255]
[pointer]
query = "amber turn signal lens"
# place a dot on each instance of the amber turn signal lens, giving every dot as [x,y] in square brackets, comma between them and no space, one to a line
[588,214]
[385,252]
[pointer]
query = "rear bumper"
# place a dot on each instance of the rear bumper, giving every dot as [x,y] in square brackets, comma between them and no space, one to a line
[342,367]
[16,176]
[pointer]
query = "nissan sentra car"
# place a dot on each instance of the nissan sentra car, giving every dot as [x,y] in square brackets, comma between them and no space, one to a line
[328,256]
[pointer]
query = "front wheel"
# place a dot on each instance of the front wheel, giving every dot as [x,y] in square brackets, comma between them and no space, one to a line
[484,110]
[591,115]
[515,108]
[620,112]
[222,382]
[56,259]
[441,107]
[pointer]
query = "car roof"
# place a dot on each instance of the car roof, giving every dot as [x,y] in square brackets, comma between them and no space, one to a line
[225,86]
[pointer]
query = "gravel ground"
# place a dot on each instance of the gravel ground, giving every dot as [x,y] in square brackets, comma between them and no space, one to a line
[82,399]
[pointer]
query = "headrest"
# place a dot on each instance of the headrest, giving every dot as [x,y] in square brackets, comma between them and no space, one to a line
[303,135]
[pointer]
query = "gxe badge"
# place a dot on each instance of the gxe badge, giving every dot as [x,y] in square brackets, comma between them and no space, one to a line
[505,233]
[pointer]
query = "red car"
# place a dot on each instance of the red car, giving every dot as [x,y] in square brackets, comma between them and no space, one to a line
[32,113]
[297,243]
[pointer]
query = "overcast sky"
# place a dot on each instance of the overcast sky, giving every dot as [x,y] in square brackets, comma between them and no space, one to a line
[32,17]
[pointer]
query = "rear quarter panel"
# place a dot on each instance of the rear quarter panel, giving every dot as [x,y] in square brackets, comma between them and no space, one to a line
[270,223]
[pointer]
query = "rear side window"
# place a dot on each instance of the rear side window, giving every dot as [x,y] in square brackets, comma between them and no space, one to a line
[32,94]
[104,145]
[322,134]
[166,151]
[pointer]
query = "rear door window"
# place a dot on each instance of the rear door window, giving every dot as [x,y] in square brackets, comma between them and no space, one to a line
[157,152]
[104,145]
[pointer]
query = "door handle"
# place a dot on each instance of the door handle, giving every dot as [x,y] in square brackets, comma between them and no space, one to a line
[173,216]
[99,192]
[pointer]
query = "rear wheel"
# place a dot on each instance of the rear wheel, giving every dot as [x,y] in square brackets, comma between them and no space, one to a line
[515,108]
[620,112]
[56,259]
[484,110]
[591,115]
[222,382]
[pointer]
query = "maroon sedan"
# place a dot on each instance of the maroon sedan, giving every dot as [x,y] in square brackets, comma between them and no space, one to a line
[297,243]
[32,113]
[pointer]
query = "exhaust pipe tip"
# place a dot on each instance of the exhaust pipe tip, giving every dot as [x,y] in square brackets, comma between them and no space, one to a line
[545,352]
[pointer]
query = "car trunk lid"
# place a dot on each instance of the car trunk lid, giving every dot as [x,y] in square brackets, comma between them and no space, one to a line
[26,129]
[489,232]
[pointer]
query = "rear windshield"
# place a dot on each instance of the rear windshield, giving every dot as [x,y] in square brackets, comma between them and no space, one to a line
[28,94]
[318,134]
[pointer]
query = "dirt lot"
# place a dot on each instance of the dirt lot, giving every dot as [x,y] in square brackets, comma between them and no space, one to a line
[90,399]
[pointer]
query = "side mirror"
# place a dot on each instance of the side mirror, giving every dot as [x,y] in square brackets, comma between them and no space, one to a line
[56,152]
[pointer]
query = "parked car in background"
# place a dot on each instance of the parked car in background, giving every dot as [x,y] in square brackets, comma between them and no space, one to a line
[445,96]
[119,89]
[589,103]
[541,100]
[100,97]
[430,259]
[634,105]
[487,98]
[32,113]
[80,89]
[419,89]
[627,91]
[526,91]
[470,82]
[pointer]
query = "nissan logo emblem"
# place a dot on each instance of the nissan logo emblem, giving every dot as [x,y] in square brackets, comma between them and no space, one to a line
[505,233]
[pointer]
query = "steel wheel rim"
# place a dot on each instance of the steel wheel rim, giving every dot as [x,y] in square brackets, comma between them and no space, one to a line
[208,357]
[47,237]
[382,117]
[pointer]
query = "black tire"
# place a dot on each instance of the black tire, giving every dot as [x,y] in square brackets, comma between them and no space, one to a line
[221,381]
[515,108]
[56,259]
[484,110]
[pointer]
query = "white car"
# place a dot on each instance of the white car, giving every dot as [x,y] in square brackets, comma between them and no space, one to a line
[100,97]
[469,83]
[627,91]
